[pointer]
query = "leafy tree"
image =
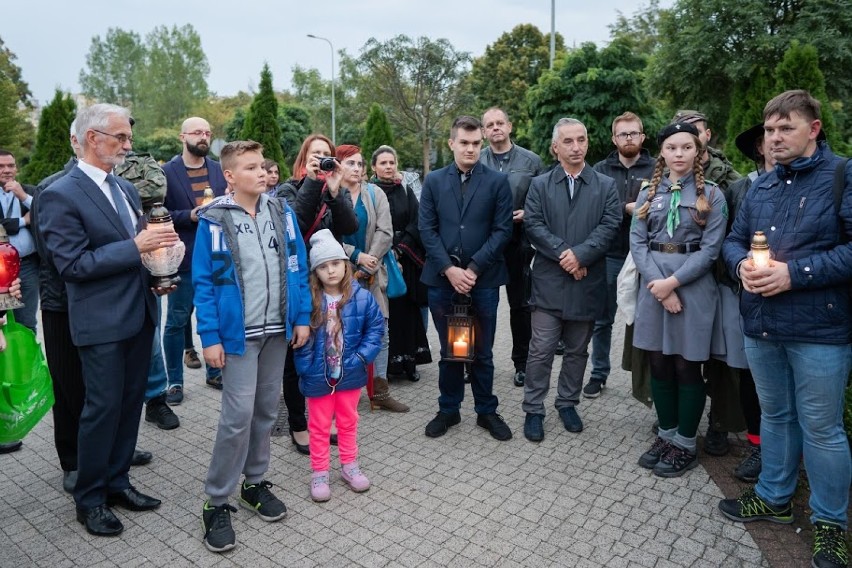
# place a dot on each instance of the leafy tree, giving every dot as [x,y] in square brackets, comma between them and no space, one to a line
[747,102]
[52,148]
[261,124]
[295,123]
[641,30]
[162,144]
[234,127]
[509,67]
[220,111]
[377,132]
[593,86]
[161,80]
[15,129]
[10,70]
[175,77]
[115,68]
[419,83]
[314,94]
[707,47]
[799,69]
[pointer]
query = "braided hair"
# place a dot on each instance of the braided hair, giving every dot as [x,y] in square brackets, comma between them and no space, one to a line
[656,178]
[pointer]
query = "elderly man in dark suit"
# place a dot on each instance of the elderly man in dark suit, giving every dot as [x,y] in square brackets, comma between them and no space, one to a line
[93,227]
[465,223]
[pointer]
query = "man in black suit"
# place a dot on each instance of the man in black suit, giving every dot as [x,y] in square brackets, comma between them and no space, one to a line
[465,223]
[91,222]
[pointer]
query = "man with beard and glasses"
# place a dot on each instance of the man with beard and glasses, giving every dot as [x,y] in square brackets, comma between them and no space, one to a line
[188,175]
[628,165]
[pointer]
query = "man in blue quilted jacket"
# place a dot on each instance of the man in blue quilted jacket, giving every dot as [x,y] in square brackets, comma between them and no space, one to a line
[796,323]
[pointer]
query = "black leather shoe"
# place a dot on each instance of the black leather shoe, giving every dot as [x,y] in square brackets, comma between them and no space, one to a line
[100,521]
[141,457]
[69,481]
[301,448]
[520,377]
[332,439]
[132,500]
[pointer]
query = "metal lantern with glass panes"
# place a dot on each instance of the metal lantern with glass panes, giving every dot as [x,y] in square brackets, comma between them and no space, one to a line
[460,330]
[163,262]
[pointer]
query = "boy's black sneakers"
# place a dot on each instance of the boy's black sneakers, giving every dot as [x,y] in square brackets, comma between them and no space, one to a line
[218,533]
[258,498]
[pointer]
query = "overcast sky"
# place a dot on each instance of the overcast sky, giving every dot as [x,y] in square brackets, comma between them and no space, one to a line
[51,37]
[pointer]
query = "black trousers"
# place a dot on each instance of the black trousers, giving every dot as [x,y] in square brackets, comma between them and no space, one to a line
[115,375]
[293,397]
[66,370]
[518,255]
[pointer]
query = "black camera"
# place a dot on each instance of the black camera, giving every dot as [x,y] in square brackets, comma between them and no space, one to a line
[327,164]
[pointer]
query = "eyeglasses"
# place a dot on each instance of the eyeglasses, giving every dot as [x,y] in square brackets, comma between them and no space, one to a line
[626,135]
[353,164]
[206,133]
[122,138]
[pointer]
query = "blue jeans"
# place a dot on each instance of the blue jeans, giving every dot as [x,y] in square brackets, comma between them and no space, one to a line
[801,391]
[158,381]
[602,334]
[178,315]
[451,374]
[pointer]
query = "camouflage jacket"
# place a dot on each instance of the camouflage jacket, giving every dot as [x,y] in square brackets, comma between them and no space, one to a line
[719,170]
[143,171]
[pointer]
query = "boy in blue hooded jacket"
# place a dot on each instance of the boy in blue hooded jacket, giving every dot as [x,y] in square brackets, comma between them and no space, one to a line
[249,271]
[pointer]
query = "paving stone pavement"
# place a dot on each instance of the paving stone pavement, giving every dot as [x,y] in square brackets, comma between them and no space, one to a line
[461,500]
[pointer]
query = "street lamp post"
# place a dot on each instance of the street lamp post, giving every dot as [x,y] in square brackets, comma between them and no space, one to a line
[552,31]
[333,125]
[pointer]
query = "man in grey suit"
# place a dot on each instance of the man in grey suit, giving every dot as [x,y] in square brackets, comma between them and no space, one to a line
[572,216]
[465,223]
[93,227]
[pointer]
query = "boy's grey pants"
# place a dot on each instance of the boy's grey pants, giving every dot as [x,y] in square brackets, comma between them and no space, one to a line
[251,391]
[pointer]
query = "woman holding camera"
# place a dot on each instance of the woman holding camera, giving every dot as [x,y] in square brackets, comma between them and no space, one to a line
[408,343]
[316,195]
[366,249]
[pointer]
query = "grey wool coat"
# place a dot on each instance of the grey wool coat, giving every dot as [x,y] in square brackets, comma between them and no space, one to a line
[586,224]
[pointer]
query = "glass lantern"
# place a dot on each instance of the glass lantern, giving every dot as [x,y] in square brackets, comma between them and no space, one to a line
[10,267]
[163,263]
[460,330]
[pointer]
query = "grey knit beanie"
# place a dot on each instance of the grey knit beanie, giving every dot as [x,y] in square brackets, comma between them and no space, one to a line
[324,247]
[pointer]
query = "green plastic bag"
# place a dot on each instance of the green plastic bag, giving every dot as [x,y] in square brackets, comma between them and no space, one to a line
[26,390]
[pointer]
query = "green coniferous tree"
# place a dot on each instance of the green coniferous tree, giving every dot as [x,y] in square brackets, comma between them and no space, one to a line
[747,110]
[261,124]
[52,149]
[799,69]
[377,132]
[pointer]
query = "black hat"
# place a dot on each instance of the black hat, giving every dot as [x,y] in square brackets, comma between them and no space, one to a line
[673,129]
[747,142]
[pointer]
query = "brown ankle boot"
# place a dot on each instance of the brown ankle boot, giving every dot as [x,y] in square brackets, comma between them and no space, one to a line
[383,399]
